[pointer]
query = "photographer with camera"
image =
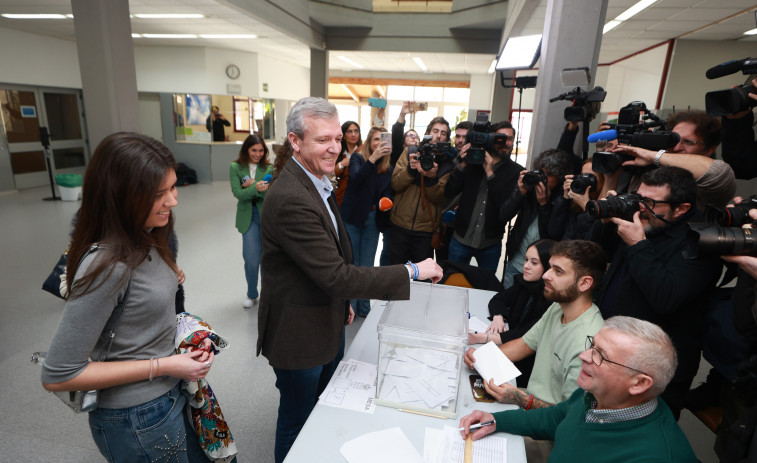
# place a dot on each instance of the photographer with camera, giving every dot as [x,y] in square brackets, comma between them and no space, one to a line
[649,278]
[215,124]
[569,219]
[483,189]
[533,202]
[418,181]
[739,146]
[699,138]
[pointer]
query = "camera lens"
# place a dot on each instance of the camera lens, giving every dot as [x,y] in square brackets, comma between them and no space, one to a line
[622,206]
[583,182]
[704,239]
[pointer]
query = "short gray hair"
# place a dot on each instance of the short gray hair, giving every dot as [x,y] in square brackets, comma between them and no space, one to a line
[309,107]
[654,355]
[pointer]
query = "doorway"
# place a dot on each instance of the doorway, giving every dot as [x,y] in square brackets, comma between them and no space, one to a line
[23,111]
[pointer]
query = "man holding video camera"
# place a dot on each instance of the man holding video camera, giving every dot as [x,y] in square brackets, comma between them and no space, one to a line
[739,145]
[649,278]
[483,189]
[699,138]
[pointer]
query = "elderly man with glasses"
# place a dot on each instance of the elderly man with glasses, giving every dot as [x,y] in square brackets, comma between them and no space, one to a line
[616,414]
[649,278]
[699,138]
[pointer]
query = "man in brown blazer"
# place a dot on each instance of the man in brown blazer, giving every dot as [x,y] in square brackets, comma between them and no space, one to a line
[307,275]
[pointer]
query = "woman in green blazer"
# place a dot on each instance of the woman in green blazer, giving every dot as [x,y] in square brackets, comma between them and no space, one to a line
[246,177]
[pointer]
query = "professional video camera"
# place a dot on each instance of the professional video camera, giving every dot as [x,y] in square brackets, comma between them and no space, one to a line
[732,100]
[430,153]
[533,178]
[585,104]
[622,206]
[583,182]
[633,128]
[482,139]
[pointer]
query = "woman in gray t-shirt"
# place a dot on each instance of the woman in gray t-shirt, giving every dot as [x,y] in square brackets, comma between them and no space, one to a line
[128,194]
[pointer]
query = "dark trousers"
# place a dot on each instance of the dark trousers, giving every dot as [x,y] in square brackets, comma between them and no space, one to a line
[299,391]
[409,245]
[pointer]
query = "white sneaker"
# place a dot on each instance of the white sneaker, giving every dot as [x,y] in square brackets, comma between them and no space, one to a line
[248,303]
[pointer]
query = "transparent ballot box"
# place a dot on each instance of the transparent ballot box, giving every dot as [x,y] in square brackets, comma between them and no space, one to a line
[421,347]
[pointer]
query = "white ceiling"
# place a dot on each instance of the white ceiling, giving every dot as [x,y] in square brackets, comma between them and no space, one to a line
[664,20]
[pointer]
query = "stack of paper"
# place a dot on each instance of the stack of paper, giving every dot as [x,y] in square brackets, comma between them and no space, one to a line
[388,445]
[420,377]
[492,363]
[353,386]
[447,446]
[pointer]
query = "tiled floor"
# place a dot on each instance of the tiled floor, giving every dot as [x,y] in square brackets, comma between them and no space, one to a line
[37,428]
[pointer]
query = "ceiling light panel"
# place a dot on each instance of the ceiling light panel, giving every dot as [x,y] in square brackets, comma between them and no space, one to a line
[168,15]
[33,16]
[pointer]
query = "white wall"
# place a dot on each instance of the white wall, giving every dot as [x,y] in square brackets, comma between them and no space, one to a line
[32,59]
[634,79]
[285,80]
[687,83]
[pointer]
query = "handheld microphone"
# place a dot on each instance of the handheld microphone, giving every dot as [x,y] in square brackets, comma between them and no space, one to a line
[268,178]
[725,69]
[605,135]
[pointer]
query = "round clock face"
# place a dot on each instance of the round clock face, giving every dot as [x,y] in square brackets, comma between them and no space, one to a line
[232,71]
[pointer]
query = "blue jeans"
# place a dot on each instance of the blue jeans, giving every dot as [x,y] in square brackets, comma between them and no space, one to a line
[487,257]
[364,243]
[157,430]
[299,391]
[252,249]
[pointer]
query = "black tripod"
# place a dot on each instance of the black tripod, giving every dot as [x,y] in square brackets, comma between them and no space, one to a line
[44,137]
[520,84]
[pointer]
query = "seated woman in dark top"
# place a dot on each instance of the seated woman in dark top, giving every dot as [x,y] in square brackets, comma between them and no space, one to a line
[516,309]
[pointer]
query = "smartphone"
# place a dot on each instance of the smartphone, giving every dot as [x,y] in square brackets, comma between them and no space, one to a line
[418,106]
[245,178]
[377,102]
[386,139]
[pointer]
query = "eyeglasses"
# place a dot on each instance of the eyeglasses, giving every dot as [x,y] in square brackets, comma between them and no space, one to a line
[687,142]
[597,358]
[650,203]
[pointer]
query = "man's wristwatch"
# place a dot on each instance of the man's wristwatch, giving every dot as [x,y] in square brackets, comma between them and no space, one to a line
[657,158]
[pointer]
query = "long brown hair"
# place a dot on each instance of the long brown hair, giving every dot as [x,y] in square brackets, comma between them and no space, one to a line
[366,150]
[118,193]
[244,153]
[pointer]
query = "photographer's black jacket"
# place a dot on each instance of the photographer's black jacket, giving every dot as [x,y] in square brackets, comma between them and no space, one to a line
[500,186]
[527,208]
[739,146]
[652,281]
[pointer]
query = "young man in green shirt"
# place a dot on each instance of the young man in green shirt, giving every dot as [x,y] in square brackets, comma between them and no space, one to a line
[616,414]
[559,336]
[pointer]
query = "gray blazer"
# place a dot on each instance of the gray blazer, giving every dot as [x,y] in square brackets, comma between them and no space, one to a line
[308,276]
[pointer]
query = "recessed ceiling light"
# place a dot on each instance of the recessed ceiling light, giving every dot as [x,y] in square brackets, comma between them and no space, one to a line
[170,16]
[169,36]
[634,10]
[349,61]
[136,36]
[751,32]
[610,26]
[33,16]
[228,36]
[420,64]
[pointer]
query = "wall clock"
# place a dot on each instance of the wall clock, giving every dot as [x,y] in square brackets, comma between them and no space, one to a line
[232,71]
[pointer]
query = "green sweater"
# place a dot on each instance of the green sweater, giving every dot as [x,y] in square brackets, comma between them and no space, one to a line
[654,438]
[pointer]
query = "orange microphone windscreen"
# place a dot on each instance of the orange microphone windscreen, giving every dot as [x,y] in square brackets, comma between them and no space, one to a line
[385,204]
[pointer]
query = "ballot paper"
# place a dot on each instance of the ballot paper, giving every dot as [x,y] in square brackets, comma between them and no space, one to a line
[353,386]
[420,377]
[447,446]
[388,445]
[492,363]
[476,325]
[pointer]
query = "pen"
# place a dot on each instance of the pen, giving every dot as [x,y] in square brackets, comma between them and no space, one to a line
[478,425]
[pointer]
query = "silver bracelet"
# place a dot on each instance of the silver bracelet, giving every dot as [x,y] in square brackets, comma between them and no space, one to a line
[657,158]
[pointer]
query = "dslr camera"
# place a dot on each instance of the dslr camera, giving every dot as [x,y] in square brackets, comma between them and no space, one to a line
[533,178]
[621,206]
[732,100]
[633,128]
[583,182]
[482,139]
[721,234]
[430,153]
